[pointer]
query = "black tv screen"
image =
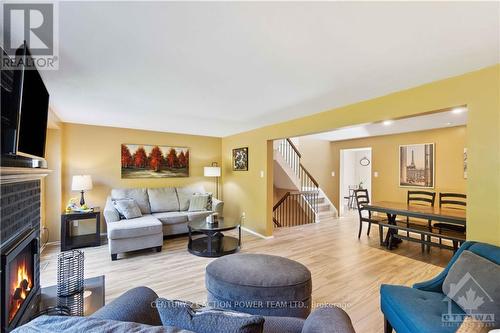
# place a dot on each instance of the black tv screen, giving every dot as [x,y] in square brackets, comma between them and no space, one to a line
[34,107]
[9,97]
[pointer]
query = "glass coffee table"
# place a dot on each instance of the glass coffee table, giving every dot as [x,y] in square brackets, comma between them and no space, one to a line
[213,243]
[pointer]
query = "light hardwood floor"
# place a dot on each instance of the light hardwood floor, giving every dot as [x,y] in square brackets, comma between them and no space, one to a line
[345,270]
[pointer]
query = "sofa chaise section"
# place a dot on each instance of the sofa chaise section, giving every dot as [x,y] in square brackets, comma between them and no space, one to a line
[135,234]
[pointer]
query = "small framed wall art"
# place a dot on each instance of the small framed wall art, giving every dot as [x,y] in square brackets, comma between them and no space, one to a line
[240,159]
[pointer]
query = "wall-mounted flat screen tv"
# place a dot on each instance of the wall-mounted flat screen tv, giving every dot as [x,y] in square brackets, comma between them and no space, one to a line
[33,108]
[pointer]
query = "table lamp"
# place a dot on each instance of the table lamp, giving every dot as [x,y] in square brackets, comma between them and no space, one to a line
[81,183]
[213,171]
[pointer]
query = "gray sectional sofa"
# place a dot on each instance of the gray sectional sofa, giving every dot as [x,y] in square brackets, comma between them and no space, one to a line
[134,312]
[165,211]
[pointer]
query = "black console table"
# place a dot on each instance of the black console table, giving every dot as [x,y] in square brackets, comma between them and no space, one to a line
[68,241]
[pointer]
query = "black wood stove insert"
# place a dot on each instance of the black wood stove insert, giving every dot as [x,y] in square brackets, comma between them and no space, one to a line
[20,283]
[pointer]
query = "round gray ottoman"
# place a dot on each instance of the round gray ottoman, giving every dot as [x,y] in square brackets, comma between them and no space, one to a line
[259,284]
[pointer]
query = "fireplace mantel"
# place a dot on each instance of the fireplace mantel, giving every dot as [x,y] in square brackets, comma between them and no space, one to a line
[12,174]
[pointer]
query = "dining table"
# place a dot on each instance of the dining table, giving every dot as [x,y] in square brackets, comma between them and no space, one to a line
[429,213]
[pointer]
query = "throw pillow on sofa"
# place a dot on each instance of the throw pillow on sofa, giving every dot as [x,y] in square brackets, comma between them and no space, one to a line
[200,202]
[209,200]
[200,319]
[127,208]
[472,283]
[140,196]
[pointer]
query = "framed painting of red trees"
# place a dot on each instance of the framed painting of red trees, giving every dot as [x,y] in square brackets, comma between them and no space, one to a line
[149,161]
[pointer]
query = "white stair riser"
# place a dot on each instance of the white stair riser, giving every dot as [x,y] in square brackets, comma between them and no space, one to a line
[324,207]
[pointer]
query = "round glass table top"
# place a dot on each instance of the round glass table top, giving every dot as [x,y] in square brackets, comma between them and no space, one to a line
[219,224]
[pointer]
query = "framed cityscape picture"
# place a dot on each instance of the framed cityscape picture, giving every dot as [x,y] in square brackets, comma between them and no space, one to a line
[150,161]
[240,159]
[416,165]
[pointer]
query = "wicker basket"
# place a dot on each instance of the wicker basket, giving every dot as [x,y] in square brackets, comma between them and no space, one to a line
[70,278]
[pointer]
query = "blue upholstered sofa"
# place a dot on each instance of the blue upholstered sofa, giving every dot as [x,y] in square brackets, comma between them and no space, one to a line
[420,309]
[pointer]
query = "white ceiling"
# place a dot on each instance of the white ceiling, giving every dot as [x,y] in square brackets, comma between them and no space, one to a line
[412,124]
[222,68]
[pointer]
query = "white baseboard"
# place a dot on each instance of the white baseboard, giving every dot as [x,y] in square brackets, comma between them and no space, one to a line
[250,231]
[57,243]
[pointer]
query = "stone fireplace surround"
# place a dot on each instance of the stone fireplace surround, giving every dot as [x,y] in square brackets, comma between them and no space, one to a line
[20,199]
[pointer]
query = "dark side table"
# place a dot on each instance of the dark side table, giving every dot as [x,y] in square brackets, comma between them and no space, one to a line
[68,241]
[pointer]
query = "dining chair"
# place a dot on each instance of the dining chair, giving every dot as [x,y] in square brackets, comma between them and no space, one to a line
[363,199]
[423,198]
[453,201]
[350,198]
[353,188]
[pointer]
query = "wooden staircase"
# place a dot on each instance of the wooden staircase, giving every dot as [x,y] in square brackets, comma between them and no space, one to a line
[307,204]
[325,210]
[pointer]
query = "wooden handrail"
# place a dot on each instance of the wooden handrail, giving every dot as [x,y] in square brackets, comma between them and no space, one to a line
[287,194]
[303,192]
[293,146]
[309,175]
[295,208]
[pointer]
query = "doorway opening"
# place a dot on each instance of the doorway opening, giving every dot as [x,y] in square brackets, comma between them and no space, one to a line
[355,173]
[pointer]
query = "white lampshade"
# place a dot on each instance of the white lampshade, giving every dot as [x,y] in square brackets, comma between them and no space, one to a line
[211,171]
[81,183]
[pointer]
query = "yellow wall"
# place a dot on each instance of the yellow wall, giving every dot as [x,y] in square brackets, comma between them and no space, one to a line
[52,184]
[449,148]
[95,150]
[243,186]
[318,160]
[479,90]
